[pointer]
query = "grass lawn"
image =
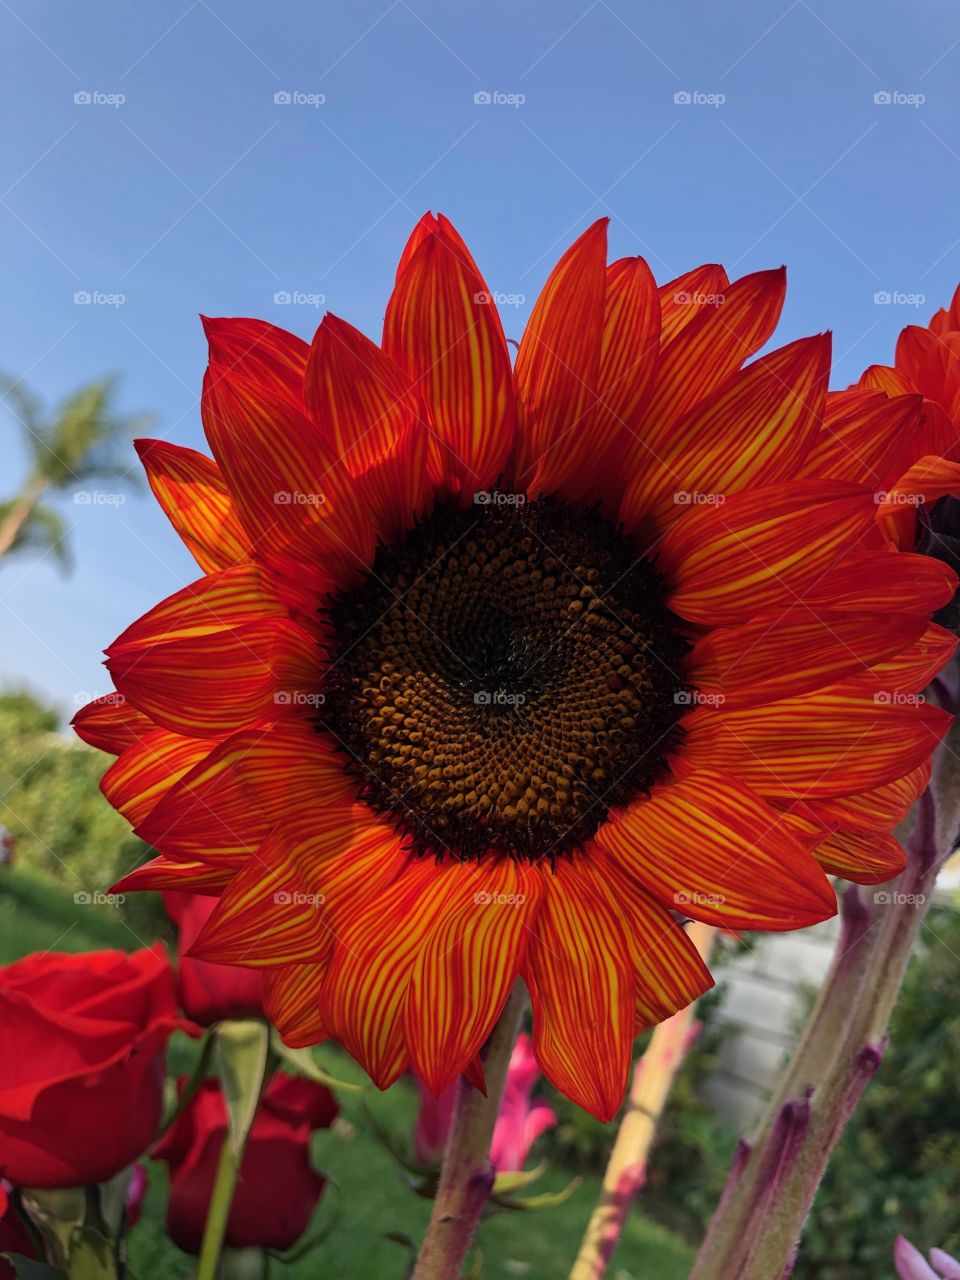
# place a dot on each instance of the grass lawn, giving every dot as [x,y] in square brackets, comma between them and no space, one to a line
[370,1197]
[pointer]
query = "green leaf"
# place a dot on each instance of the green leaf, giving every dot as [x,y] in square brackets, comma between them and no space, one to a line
[91,1256]
[546,1200]
[30,1269]
[504,1183]
[243,1049]
[194,1081]
[303,1061]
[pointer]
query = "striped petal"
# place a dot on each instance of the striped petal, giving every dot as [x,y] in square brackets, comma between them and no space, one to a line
[442,329]
[295,500]
[467,966]
[271,358]
[683,299]
[580,976]
[832,742]
[193,494]
[580,466]
[912,670]
[710,847]
[368,978]
[864,859]
[224,808]
[755,430]
[865,437]
[669,969]
[169,873]
[709,349]
[926,480]
[110,723]
[143,774]
[267,916]
[886,579]
[291,1000]
[558,362]
[880,809]
[776,655]
[764,548]
[359,397]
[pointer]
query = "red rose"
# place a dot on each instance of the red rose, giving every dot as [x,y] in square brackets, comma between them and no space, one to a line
[209,992]
[82,1041]
[277,1190]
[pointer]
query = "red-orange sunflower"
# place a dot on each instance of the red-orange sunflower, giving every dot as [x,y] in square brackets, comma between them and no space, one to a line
[500,672]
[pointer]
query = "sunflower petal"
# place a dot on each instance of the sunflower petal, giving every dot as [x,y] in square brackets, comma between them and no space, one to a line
[764,548]
[261,353]
[862,858]
[580,976]
[777,655]
[110,723]
[194,495]
[682,299]
[291,1000]
[710,847]
[833,742]
[442,329]
[358,395]
[467,966]
[559,359]
[168,873]
[143,774]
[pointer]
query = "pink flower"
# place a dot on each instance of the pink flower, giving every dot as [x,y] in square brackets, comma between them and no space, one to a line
[519,1121]
[910,1263]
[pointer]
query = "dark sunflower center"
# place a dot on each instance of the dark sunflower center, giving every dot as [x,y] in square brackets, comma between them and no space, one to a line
[503,677]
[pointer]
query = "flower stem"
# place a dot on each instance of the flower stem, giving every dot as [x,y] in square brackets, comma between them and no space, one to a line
[218,1212]
[756,1228]
[653,1077]
[466,1178]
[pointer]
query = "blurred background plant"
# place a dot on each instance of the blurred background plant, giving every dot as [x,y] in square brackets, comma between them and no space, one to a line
[83,442]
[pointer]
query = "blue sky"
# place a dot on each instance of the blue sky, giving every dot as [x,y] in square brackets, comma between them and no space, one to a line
[199,193]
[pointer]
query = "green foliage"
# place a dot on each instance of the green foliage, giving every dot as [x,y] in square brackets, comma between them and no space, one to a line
[895,1170]
[64,829]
